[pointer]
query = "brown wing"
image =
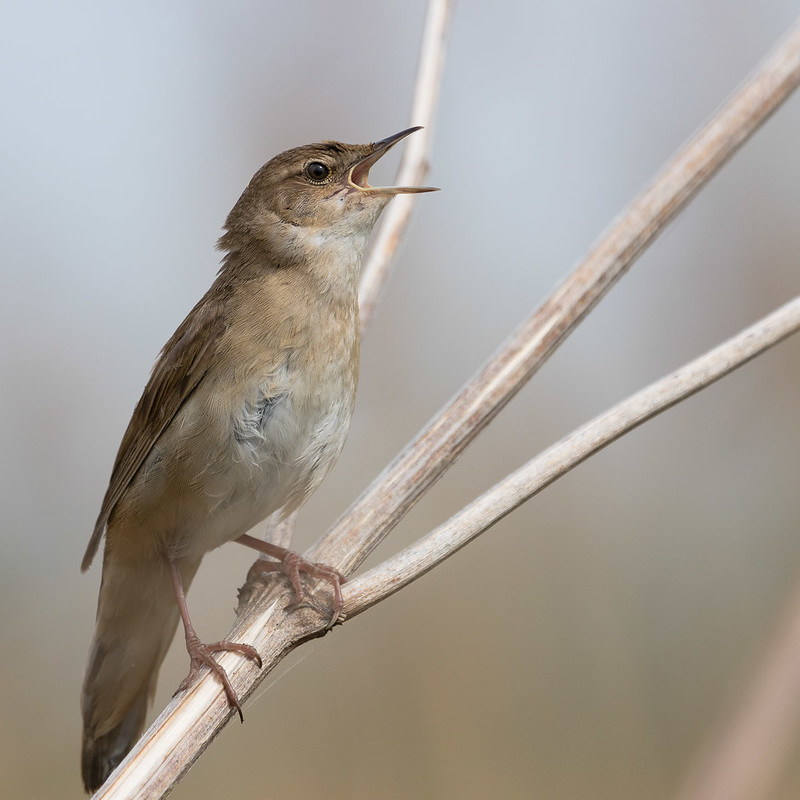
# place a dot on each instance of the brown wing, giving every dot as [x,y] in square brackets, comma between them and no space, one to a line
[180,366]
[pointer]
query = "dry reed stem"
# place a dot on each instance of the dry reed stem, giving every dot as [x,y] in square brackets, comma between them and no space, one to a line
[414,164]
[414,561]
[744,760]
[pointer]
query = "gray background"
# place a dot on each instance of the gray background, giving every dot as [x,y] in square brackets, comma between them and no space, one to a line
[589,644]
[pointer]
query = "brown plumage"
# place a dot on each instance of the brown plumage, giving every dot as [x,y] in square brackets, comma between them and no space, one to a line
[246,410]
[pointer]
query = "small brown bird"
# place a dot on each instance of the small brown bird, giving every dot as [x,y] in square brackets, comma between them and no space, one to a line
[246,410]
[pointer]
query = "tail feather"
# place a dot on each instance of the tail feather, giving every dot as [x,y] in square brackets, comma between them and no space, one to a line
[100,755]
[136,620]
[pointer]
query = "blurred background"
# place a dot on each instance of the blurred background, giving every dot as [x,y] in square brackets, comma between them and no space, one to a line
[593,641]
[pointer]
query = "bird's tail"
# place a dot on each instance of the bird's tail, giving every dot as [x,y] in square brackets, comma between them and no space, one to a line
[136,620]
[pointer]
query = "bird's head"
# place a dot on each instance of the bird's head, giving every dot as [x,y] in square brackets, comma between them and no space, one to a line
[322,188]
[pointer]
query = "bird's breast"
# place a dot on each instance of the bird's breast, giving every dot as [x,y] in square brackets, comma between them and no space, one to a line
[278,429]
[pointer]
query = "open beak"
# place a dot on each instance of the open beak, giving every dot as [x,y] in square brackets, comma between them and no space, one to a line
[359,172]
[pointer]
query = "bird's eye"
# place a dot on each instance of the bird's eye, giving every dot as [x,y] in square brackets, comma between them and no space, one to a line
[317,172]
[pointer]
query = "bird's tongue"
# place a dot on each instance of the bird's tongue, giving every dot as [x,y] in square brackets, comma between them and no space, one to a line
[361,170]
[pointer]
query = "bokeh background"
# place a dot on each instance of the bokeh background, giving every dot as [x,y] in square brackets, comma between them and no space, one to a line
[593,641]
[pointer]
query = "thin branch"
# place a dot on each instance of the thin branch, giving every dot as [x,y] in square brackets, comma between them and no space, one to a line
[414,165]
[749,751]
[189,723]
[414,561]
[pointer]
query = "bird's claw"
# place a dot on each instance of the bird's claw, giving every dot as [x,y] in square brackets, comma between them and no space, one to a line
[201,655]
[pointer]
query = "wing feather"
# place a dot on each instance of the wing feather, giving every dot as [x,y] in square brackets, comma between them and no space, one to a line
[177,372]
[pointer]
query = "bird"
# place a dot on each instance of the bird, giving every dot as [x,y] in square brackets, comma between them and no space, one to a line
[246,409]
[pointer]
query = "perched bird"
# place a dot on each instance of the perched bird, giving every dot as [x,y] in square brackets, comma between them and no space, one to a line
[246,410]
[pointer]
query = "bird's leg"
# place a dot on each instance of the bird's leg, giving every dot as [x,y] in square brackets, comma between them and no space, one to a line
[292,564]
[200,654]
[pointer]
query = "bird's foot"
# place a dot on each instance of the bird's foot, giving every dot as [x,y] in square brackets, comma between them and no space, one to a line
[293,565]
[201,655]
